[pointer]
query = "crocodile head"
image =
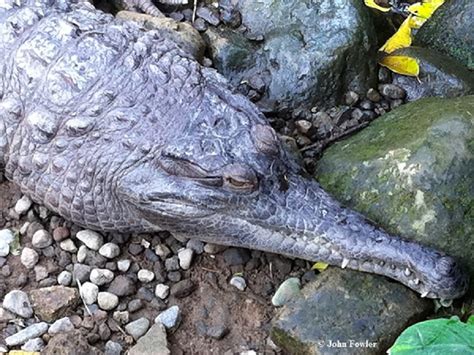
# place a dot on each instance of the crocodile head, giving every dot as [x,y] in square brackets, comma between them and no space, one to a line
[226,178]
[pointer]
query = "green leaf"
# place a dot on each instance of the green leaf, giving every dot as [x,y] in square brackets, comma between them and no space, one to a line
[436,337]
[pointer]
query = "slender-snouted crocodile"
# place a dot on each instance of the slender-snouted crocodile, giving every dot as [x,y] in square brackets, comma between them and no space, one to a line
[118,129]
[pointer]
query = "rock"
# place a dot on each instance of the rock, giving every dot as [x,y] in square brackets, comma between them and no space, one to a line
[373,95]
[107,301]
[153,342]
[51,303]
[183,288]
[123,265]
[185,257]
[41,239]
[135,305]
[411,172]
[61,233]
[170,318]
[109,250]
[238,282]
[29,257]
[449,31]
[6,316]
[81,272]
[33,331]
[196,245]
[236,256]
[287,291]
[391,91]
[210,248]
[69,343]
[138,327]
[122,317]
[101,276]
[209,15]
[23,205]
[65,278]
[89,292]
[91,239]
[145,276]
[41,273]
[439,76]
[172,264]
[82,254]
[162,291]
[17,302]
[62,325]
[114,348]
[68,245]
[213,318]
[344,306]
[33,345]
[309,55]
[122,286]
[162,251]
[6,238]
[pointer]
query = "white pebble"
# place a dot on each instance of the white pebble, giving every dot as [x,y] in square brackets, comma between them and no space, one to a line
[62,325]
[123,265]
[185,258]
[82,254]
[89,292]
[145,275]
[23,205]
[162,291]
[65,278]
[169,318]
[91,239]
[101,276]
[6,237]
[29,257]
[107,301]
[162,251]
[238,282]
[109,250]
[41,239]
[68,245]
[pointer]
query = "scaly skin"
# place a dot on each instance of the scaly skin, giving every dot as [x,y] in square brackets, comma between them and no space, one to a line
[117,129]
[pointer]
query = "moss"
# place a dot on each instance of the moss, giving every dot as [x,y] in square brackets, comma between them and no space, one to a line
[288,343]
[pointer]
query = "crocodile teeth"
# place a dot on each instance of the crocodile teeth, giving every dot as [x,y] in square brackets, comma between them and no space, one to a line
[345,262]
[407,272]
[424,294]
[416,281]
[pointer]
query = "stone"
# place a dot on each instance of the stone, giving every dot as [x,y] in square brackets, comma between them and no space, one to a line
[162,251]
[62,325]
[238,282]
[41,239]
[107,301]
[138,327]
[101,276]
[29,257]
[213,317]
[236,256]
[439,76]
[33,345]
[449,31]
[23,205]
[33,331]
[121,317]
[89,292]
[81,272]
[172,264]
[68,245]
[210,248]
[345,305]
[122,286]
[185,257]
[82,254]
[196,245]
[51,303]
[109,250]
[183,288]
[41,273]
[65,278]
[17,302]
[209,15]
[123,265]
[6,238]
[91,239]
[61,233]
[308,55]
[69,343]
[135,305]
[114,348]
[287,291]
[153,342]
[145,276]
[162,291]
[170,318]
[6,316]
[391,91]
[411,172]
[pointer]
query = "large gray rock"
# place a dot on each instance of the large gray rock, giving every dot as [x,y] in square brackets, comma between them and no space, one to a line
[312,51]
[450,31]
[153,342]
[439,76]
[343,307]
[412,172]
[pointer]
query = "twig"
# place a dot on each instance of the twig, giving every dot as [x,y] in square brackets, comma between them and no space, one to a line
[82,298]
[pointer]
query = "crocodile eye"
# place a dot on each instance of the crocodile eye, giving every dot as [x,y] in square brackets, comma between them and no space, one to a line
[240,178]
[239,184]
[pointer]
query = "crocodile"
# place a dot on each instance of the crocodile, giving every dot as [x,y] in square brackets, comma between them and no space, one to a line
[119,129]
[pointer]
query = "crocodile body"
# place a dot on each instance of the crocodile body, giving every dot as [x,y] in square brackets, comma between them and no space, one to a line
[117,129]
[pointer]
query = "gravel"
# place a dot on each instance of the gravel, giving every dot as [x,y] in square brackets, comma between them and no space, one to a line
[65,278]
[107,301]
[62,325]
[170,318]
[238,282]
[17,302]
[124,265]
[23,205]
[89,292]
[162,291]
[91,239]
[146,276]
[6,237]
[101,276]
[109,250]
[41,239]
[29,257]
[31,332]
[185,257]
[68,245]
[138,327]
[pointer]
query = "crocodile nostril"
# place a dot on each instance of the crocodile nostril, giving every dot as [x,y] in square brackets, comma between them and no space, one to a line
[265,139]
[447,265]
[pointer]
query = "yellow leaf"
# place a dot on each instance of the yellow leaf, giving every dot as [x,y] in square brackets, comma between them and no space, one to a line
[320,266]
[416,22]
[401,64]
[425,8]
[401,38]
[21,352]
[374,5]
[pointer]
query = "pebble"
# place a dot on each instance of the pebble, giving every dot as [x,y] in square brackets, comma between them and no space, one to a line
[236,256]
[200,25]
[60,233]
[23,205]
[82,254]
[101,276]
[169,318]
[113,348]
[122,317]
[392,91]
[185,257]
[162,291]
[91,239]
[107,301]
[288,290]
[183,288]
[41,273]
[351,98]
[41,239]
[209,15]
[145,276]
[138,327]
[373,95]
[81,272]
[33,331]
[196,245]
[135,305]
[162,251]
[109,250]
[6,237]
[238,282]
[65,278]
[33,345]
[17,302]
[122,286]
[68,245]
[62,325]
[172,264]
[213,248]
[135,249]
[303,126]
[29,257]
[89,292]
[123,265]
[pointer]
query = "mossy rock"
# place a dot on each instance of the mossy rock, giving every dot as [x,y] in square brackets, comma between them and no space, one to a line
[412,172]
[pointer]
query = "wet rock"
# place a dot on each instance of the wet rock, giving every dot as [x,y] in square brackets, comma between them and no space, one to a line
[183,288]
[62,325]
[238,282]
[153,342]
[287,291]
[89,292]
[6,238]
[91,239]
[29,257]
[439,76]
[33,331]
[17,302]
[51,303]
[344,306]
[122,286]
[170,318]
[109,250]
[33,345]
[107,301]
[70,343]
[449,31]
[138,327]
[412,173]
